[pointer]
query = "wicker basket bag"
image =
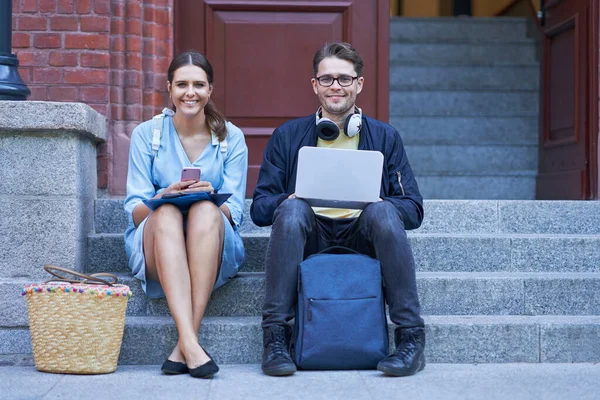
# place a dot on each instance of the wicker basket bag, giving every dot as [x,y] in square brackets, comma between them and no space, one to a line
[76,325]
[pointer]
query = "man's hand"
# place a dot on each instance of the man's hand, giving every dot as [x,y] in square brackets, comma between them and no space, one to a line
[292,196]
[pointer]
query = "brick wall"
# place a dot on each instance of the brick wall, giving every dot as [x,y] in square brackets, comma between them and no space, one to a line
[110,54]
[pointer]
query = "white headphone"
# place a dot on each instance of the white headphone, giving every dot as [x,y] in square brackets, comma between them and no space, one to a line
[328,130]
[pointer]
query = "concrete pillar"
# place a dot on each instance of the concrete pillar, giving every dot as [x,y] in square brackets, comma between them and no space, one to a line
[48,183]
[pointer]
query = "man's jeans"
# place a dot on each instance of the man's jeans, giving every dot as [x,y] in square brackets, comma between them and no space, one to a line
[379,232]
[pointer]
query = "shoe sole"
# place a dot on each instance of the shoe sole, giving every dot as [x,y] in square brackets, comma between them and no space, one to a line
[171,372]
[395,372]
[279,371]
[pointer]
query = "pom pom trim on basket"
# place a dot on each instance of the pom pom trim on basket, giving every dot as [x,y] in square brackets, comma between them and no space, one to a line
[97,290]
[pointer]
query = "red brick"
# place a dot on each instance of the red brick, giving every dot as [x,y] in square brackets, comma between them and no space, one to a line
[116,95]
[63,93]
[66,6]
[46,41]
[161,3]
[116,112]
[82,41]
[155,98]
[38,93]
[92,23]
[157,15]
[133,96]
[134,61]
[103,179]
[134,27]
[161,48]
[132,79]
[94,94]
[32,58]
[134,9]
[47,75]
[32,23]
[15,7]
[25,73]
[100,60]
[157,81]
[101,108]
[63,59]
[84,6]
[133,43]
[155,32]
[117,26]
[118,10]
[102,6]
[28,6]
[64,23]
[20,39]
[117,43]
[47,6]
[117,78]
[132,112]
[149,112]
[117,60]
[86,76]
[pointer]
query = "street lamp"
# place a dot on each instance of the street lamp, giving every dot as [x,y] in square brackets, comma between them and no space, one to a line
[12,86]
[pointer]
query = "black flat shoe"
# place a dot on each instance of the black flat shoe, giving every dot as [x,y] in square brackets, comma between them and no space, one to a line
[206,370]
[174,368]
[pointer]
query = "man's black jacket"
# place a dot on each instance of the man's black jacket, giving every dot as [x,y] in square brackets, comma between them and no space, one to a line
[277,178]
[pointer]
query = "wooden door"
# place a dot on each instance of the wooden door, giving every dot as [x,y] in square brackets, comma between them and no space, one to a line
[569,88]
[262,50]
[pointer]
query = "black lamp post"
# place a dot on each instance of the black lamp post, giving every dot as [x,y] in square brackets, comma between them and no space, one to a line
[12,86]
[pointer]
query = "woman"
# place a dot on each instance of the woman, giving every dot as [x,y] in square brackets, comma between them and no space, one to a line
[184,256]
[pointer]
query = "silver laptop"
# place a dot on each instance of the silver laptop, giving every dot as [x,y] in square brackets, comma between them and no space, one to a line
[338,178]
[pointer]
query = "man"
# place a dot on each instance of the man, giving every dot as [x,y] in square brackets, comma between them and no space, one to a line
[300,230]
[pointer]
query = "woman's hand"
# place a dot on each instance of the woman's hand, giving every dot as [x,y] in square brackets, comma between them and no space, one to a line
[199,186]
[177,187]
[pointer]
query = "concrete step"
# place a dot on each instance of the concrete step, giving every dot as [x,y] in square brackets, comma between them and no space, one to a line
[443,252]
[463,104]
[431,131]
[459,29]
[479,78]
[443,216]
[450,339]
[457,159]
[446,54]
[511,185]
[440,293]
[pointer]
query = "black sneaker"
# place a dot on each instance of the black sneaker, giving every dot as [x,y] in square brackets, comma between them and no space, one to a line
[408,358]
[276,355]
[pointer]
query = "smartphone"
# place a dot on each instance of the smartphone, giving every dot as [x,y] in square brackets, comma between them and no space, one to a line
[190,174]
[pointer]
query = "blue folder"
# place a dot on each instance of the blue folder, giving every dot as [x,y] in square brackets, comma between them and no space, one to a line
[185,201]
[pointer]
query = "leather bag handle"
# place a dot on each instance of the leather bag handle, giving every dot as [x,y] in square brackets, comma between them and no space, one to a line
[101,278]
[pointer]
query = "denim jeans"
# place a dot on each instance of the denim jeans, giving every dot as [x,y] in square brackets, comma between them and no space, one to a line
[378,232]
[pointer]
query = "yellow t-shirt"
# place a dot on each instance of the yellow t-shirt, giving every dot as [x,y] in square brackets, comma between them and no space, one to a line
[341,142]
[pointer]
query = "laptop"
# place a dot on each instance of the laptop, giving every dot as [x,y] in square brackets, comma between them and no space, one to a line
[338,178]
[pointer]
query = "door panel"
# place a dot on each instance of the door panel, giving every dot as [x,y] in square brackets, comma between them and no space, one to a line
[261,52]
[565,135]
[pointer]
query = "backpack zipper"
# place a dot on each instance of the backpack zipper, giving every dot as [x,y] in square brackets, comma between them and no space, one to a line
[399,174]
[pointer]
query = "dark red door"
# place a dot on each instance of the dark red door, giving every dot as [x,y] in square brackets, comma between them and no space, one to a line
[262,52]
[569,117]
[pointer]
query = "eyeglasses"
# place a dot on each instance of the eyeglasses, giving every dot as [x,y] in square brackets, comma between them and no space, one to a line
[343,80]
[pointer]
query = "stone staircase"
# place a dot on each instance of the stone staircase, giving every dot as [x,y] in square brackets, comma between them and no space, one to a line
[464,96]
[500,281]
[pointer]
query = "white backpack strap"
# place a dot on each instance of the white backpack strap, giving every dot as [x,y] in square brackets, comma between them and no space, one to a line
[157,127]
[223,144]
